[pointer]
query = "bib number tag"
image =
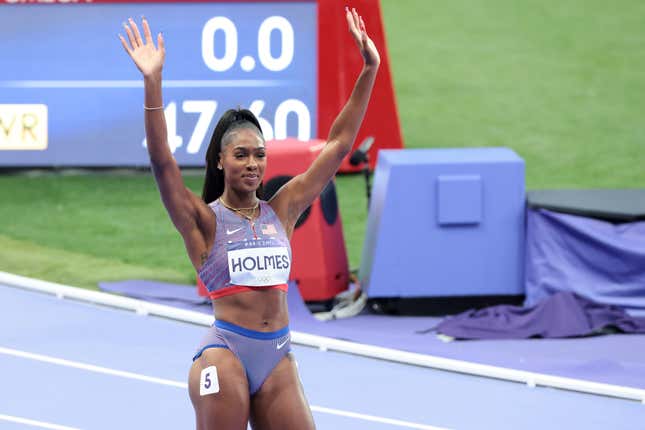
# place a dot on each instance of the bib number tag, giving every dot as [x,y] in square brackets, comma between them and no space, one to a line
[259,266]
[208,382]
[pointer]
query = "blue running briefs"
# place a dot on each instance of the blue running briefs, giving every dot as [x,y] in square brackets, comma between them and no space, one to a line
[258,351]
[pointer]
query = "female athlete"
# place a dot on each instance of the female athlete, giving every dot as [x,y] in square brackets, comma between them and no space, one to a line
[239,244]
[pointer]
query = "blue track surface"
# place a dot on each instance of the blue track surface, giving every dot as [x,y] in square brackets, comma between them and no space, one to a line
[114,339]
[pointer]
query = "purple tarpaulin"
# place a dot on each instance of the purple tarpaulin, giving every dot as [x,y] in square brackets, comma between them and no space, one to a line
[181,296]
[564,314]
[596,259]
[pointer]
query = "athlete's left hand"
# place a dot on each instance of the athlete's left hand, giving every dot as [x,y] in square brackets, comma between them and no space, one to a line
[357,28]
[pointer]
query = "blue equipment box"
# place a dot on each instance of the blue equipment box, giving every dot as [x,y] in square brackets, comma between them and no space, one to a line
[445,223]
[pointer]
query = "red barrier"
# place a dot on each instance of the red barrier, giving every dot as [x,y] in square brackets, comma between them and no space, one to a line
[319,257]
[338,66]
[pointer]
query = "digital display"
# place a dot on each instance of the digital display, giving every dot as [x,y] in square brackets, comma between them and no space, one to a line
[71,96]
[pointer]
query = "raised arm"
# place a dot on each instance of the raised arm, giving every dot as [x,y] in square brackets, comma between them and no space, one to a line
[301,191]
[186,210]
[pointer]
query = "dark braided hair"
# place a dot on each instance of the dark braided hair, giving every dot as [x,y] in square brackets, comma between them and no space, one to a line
[214,180]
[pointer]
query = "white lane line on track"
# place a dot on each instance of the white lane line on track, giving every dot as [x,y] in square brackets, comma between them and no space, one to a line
[91,367]
[183,385]
[35,423]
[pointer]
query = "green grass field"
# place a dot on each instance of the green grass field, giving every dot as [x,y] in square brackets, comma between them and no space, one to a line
[562,83]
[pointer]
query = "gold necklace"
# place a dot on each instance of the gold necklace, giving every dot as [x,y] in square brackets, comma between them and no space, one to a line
[240,210]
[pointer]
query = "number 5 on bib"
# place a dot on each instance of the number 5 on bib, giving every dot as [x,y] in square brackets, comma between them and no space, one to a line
[208,382]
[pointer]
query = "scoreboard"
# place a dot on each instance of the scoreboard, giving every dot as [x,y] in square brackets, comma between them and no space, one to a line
[71,96]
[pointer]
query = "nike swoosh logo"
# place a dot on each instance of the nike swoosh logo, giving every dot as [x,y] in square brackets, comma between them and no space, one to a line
[233,231]
[280,345]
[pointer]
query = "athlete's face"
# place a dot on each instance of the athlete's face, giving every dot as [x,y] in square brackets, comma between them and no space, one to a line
[243,160]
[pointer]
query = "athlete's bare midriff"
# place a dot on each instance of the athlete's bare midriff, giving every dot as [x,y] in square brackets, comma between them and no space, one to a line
[261,310]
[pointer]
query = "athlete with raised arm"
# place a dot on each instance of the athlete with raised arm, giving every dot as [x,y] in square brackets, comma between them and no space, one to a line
[239,245]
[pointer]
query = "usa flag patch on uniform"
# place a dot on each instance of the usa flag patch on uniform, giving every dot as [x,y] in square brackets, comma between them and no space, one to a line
[269,229]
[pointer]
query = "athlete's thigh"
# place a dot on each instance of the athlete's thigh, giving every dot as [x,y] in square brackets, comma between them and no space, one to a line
[280,403]
[226,408]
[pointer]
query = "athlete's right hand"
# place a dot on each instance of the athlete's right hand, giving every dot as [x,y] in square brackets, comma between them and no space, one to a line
[148,58]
